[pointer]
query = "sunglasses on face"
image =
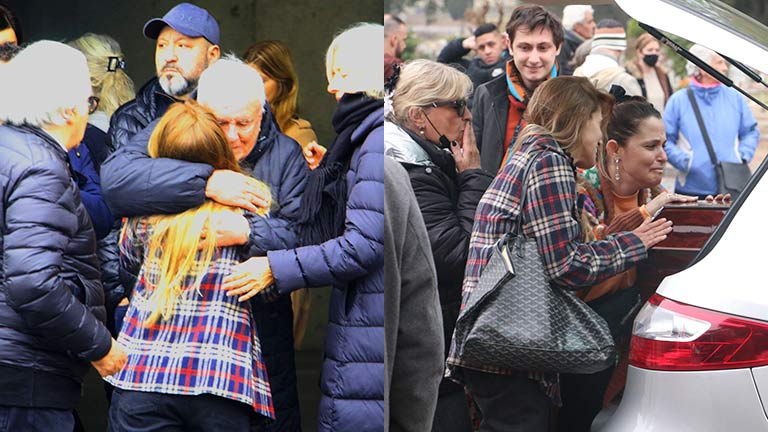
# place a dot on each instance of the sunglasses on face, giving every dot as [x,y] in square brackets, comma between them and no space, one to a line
[459,105]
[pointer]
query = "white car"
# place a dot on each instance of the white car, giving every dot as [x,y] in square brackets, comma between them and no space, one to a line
[699,352]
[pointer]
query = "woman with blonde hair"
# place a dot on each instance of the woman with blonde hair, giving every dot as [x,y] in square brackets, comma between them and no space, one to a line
[429,132]
[273,60]
[653,79]
[566,122]
[110,88]
[110,84]
[194,358]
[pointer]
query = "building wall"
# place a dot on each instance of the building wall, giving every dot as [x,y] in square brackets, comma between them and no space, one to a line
[306,26]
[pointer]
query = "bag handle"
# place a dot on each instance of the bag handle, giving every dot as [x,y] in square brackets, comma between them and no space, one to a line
[703,128]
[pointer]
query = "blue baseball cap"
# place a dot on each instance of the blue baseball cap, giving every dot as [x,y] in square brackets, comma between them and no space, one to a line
[187,19]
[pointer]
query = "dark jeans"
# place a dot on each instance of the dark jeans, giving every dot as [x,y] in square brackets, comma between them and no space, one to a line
[509,403]
[452,413]
[134,411]
[13,419]
[582,397]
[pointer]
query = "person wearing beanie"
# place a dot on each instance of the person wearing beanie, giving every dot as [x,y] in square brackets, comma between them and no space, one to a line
[602,65]
[492,55]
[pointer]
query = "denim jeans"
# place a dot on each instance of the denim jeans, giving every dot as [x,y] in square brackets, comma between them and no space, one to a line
[133,411]
[14,419]
[509,403]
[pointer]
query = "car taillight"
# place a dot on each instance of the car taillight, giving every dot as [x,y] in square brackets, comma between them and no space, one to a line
[673,336]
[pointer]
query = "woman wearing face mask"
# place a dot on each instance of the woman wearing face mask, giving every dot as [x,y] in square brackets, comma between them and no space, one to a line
[653,79]
[619,193]
[429,132]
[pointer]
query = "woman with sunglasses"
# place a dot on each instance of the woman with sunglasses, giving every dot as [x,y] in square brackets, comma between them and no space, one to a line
[429,131]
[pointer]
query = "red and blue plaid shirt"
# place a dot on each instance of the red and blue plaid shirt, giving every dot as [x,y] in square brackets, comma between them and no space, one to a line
[551,217]
[209,344]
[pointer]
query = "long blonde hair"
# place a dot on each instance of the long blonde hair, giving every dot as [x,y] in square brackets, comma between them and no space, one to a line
[175,248]
[274,60]
[560,107]
[113,88]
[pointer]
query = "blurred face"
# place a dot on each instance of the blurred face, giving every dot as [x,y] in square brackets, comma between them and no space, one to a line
[534,53]
[270,85]
[585,153]
[642,158]
[8,36]
[650,48]
[586,28]
[241,124]
[402,36]
[446,121]
[489,47]
[180,60]
[717,63]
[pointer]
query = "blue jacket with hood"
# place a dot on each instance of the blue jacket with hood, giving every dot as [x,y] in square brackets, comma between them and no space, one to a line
[731,127]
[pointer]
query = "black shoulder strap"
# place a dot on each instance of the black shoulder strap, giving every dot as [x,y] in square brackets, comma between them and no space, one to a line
[707,141]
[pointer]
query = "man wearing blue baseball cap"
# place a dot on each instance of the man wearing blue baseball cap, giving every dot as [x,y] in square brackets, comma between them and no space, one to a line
[187,43]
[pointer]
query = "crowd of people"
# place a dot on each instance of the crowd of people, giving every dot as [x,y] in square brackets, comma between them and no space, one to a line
[169,236]
[158,235]
[560,126]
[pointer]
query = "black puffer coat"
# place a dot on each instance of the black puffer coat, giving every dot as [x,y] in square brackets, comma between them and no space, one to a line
[447,200]
[51,299]
[150,104]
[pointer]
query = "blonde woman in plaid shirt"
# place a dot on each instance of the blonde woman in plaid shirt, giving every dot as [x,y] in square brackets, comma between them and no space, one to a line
[566,121]
[194,358]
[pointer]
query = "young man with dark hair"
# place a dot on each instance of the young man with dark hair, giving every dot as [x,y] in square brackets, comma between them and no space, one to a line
[491,49]
[534,37]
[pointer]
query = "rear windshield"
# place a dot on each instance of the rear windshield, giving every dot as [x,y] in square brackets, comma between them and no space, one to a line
[726,17]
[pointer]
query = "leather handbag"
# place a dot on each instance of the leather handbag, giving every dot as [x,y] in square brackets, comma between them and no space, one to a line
[731,177]
[515,320]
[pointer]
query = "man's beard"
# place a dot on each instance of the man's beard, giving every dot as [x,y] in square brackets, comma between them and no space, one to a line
[177,85]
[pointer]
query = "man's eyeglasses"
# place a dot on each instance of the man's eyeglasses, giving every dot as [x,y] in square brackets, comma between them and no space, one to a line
[93,104]
[459,105]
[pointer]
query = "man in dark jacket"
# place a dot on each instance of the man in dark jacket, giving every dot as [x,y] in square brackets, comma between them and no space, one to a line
[534,39]
[491,54]
[187,43]
[413,354]
[51,299]
[578,25]
[135,184]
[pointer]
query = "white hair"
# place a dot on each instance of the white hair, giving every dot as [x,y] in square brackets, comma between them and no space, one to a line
[357,51]
[574,14]
[704,53]
[41,82]
[232,79]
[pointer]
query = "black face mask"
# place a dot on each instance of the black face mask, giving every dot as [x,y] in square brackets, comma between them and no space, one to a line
[651,59]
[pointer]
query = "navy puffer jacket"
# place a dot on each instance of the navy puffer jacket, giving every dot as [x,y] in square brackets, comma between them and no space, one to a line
[150,104]
[51,298]
[167,186]
[352,381]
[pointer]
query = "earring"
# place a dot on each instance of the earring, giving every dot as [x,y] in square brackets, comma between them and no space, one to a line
[421,130]
[616,174]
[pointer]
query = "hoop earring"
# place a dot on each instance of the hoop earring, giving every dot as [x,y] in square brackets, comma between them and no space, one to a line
[616,174]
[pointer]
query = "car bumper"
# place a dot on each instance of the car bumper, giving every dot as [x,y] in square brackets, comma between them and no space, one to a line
[706,401]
